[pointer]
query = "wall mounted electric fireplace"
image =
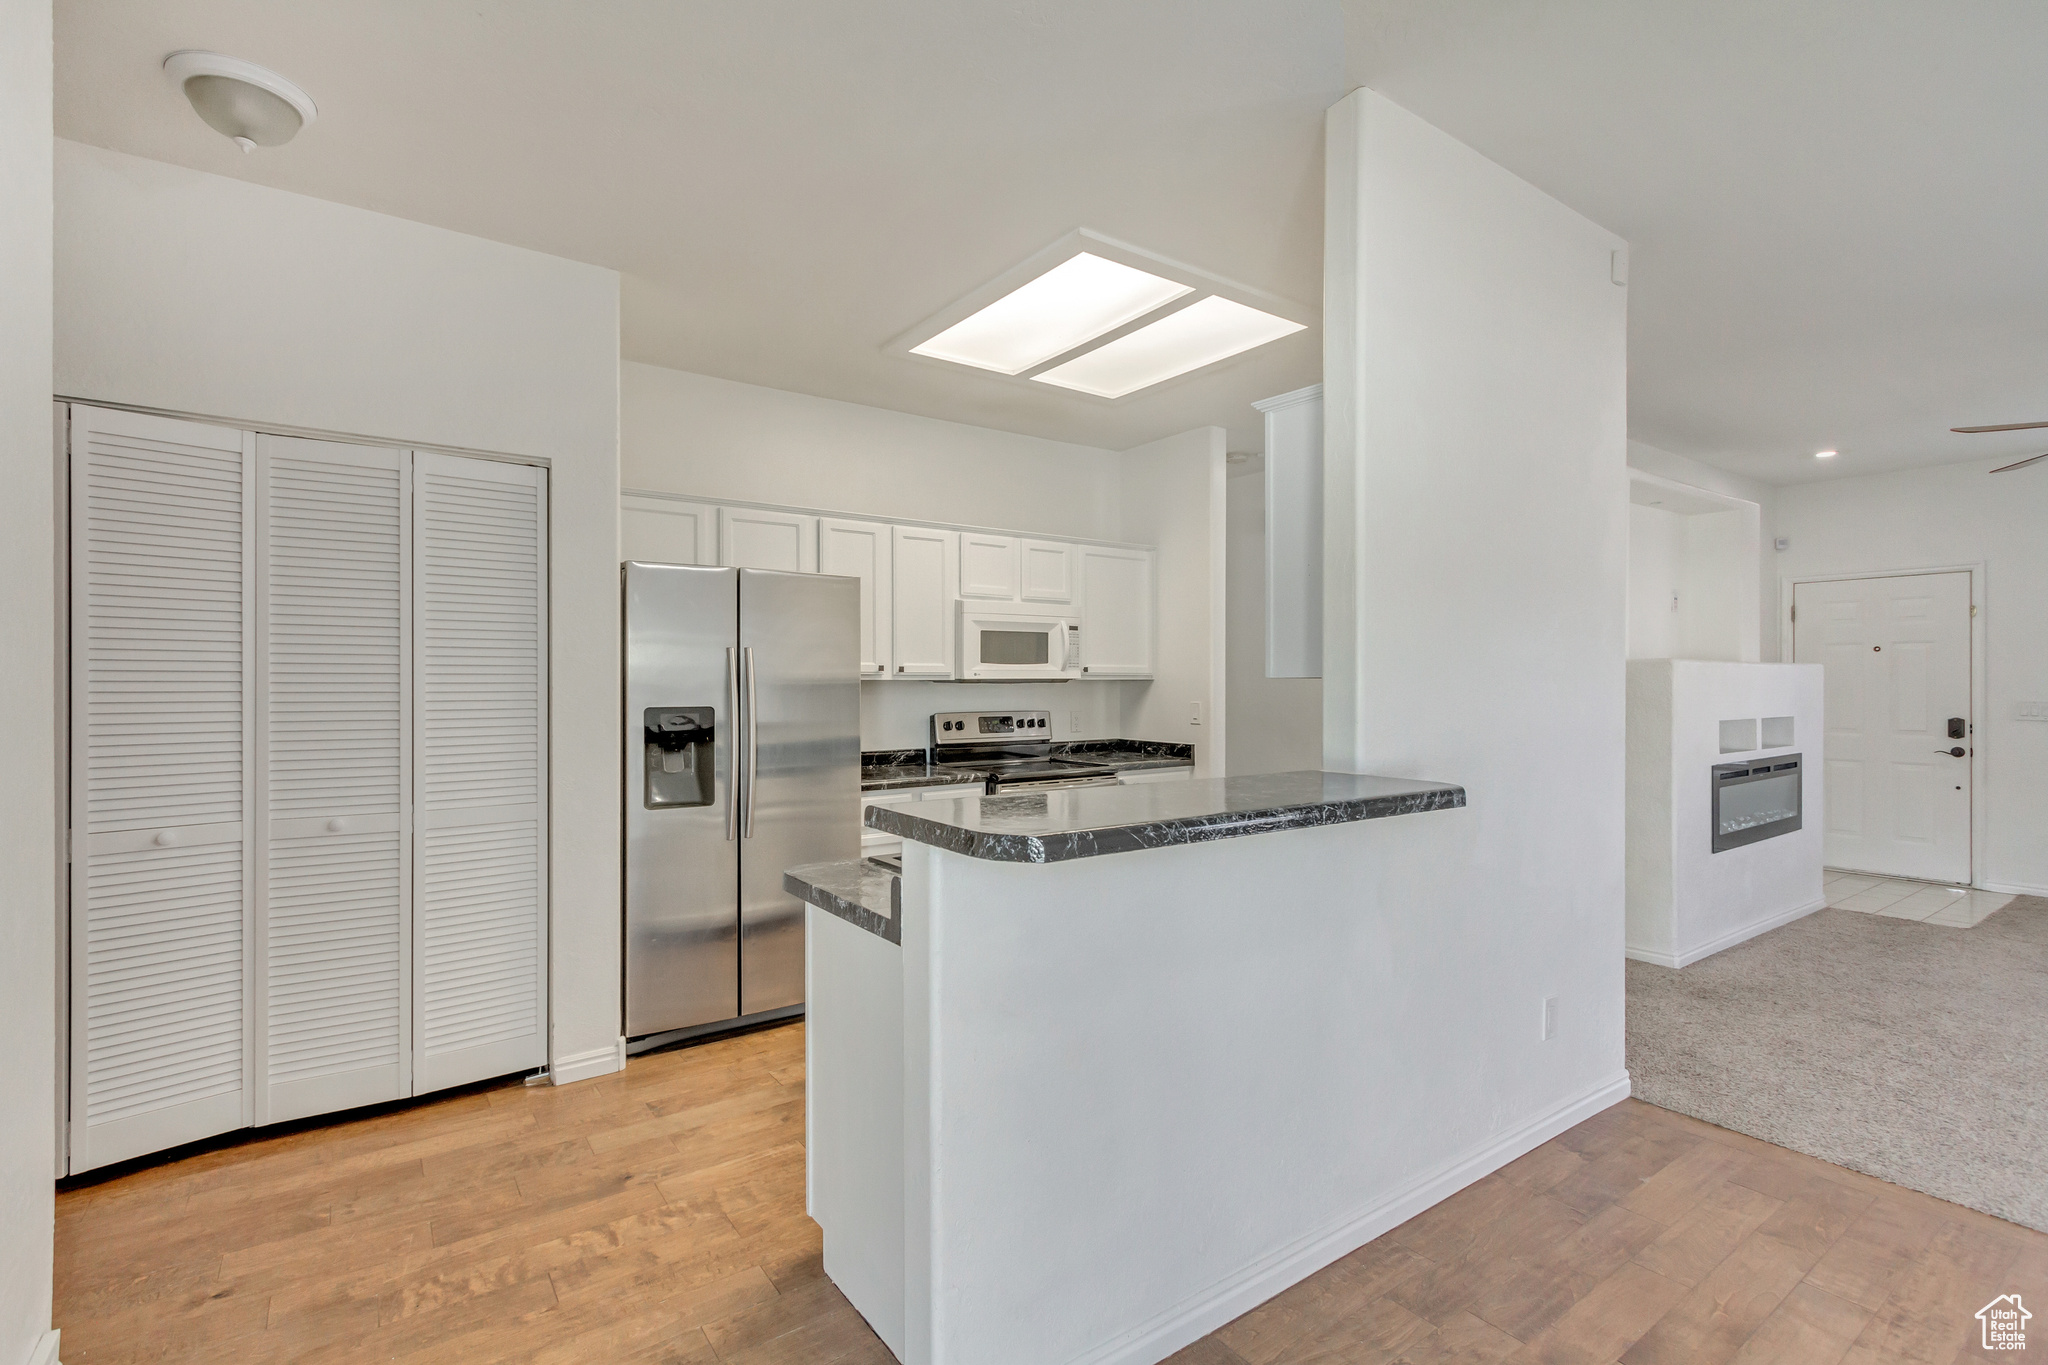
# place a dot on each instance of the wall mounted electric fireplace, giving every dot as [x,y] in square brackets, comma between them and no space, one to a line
[1755,801]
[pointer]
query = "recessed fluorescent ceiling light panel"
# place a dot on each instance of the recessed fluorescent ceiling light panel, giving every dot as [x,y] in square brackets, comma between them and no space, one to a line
[1072,303]
[1200,334]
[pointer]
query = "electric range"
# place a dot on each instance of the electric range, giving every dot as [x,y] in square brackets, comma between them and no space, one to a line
[1011,750]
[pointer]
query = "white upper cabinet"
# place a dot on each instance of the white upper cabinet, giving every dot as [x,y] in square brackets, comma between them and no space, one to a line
[913,578]
[988,566]
[752,539]
[925,583]
[1117,616]
[666,531]
[863,550]
[1048,571]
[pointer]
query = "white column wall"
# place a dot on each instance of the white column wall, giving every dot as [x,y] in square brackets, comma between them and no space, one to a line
[200,294]
[1172,496]
[28,698]
[1476,560]
[1275,723]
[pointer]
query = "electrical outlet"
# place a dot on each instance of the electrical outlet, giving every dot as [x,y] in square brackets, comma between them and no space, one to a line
[1549,1018]
[1074,722]
[1194,713]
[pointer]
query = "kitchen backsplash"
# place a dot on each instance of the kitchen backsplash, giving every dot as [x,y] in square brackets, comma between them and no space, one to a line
[897,715]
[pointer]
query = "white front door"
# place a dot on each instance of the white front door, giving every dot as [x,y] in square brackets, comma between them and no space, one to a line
[1897,654]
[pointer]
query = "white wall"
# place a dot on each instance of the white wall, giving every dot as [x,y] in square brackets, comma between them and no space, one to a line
[1656,559]
[28,668]
[1692,590]
[1172,497]
[1719,600]
[897,715]
[1476,561]
[1959,515]
[1276,724]
[196,293]
[1680,469]
[717,439]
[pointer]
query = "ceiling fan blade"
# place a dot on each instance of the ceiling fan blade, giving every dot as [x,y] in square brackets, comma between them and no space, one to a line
[2021,464]
[2009,426]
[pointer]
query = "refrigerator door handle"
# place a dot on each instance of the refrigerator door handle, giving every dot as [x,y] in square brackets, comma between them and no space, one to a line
[732,781]
[753,743]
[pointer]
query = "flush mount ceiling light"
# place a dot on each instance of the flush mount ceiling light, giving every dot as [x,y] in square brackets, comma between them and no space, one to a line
[241,100]
[1825,454]
[1073,303]
[1102,318]
[1200,334]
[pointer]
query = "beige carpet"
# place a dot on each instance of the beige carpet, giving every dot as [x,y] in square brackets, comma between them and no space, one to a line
[1913,1052]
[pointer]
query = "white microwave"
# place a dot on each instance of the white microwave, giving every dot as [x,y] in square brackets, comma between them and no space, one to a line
[1000,644]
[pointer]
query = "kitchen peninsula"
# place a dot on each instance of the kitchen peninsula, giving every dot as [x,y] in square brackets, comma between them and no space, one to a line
[1083,1082]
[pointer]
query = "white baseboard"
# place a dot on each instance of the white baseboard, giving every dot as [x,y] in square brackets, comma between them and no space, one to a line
[586,1066]
[1727,940]
[1196,1317]
[2013,888]
[44,1352]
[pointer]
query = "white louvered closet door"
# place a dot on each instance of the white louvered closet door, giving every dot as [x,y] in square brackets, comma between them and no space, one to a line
[480,846]
[333,776]
[162,690]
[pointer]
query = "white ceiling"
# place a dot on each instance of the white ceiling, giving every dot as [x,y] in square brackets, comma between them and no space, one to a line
[787,184]
[1838,208]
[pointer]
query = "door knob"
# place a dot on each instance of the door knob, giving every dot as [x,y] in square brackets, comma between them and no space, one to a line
[1956,752]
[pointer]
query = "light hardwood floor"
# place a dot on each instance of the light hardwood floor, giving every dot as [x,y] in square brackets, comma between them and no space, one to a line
[658,1216]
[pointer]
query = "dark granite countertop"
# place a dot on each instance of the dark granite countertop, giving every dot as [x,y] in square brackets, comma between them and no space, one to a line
[897,769]
[1084,822]
[862,892]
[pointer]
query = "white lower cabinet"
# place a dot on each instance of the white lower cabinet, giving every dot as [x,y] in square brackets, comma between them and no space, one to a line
[874,843]
[308,738]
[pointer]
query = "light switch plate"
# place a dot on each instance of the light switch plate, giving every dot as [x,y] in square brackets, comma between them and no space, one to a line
[2030,710]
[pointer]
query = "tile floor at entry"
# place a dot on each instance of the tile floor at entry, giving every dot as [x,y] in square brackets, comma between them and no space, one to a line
[657,1216]
[1955,907]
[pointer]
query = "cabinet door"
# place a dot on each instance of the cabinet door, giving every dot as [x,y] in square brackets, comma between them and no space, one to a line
[988,566]
[333,776]
[862,549]
[162,689]
[1048,571]
[1116,612]
[748,539]
[480,753]
[923,570]
[667,531]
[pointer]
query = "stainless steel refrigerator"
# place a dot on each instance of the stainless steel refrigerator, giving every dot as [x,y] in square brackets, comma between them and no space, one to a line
[742,745]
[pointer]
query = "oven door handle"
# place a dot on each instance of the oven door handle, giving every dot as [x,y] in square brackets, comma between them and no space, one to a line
[1061,784]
